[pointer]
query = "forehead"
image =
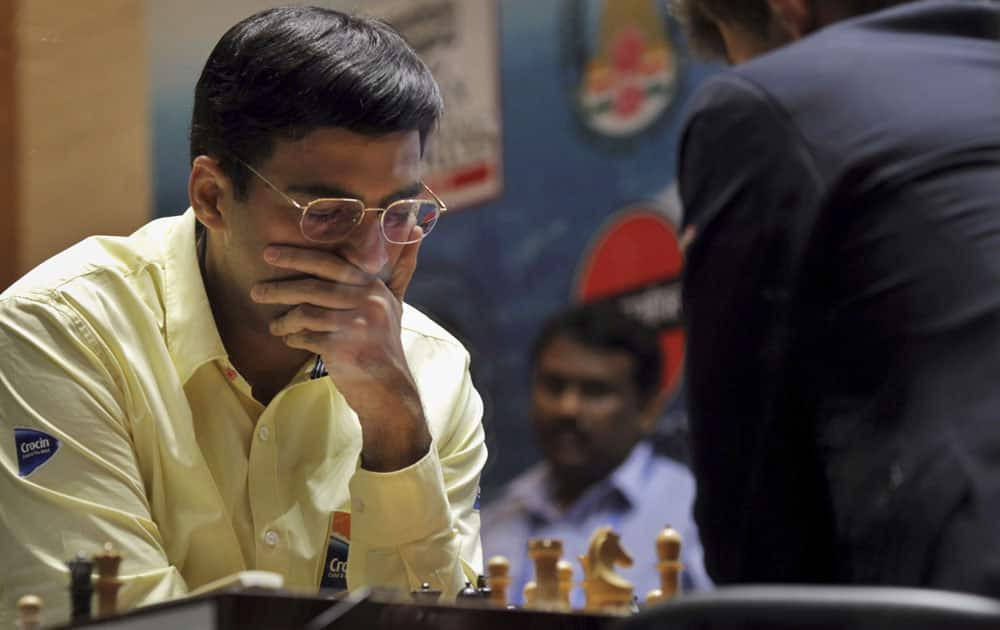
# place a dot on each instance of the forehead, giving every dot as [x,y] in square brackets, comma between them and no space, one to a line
[340,156]
[571,359]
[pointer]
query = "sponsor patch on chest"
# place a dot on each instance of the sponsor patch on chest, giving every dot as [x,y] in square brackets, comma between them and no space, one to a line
[34,448]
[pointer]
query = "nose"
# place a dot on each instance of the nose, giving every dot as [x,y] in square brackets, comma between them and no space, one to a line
[366,248]
[568,401]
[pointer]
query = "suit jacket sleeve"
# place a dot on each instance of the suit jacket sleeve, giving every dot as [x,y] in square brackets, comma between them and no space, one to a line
[748,185]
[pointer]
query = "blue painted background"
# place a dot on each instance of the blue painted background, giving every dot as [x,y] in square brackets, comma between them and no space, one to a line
[493,272]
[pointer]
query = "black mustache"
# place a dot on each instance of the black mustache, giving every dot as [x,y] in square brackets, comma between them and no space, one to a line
[562,425]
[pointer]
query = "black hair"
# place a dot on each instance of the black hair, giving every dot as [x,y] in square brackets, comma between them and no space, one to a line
[284,72]
[603,326]
[754,16]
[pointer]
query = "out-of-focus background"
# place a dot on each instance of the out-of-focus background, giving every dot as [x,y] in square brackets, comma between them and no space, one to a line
[557,153]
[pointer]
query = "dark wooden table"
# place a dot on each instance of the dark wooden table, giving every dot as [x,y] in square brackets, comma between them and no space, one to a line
[279,610]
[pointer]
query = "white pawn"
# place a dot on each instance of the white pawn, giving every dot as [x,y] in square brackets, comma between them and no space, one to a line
[668,551]
[29,613]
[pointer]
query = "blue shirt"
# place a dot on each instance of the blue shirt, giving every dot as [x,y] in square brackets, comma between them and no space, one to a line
[645,493]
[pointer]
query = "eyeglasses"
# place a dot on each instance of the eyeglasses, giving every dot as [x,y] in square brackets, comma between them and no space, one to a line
[330,220]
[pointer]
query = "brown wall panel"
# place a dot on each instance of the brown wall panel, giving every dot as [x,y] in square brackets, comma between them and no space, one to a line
[8,146]
[84,130]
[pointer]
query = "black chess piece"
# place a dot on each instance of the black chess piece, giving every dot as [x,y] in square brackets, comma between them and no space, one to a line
[426,595]
[468,595]
[483,589]
[81,586]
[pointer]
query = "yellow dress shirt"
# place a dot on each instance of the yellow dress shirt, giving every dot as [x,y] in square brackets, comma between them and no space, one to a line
[122,420]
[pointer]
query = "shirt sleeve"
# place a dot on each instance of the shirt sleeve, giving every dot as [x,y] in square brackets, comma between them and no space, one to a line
[421,523]
[747,183]
[68,477]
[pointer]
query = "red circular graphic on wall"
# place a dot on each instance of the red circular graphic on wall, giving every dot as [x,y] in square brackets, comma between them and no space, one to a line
[635,261]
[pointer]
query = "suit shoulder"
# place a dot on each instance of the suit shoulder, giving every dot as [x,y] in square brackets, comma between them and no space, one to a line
[724,91]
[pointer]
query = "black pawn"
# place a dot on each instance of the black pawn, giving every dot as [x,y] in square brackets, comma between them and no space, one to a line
[81,586]
[426,595]
[634,607]
[468,595]
[483,589]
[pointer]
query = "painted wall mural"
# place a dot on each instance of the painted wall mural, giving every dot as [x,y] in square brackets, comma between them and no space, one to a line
[458,40]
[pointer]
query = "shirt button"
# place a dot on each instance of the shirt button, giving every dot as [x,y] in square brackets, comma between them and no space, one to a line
[271,538]
[264,433]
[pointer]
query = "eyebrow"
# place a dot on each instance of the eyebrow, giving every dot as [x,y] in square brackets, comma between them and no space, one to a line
[322,191]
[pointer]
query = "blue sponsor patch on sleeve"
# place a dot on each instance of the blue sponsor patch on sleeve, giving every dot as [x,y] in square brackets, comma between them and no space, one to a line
[34,448]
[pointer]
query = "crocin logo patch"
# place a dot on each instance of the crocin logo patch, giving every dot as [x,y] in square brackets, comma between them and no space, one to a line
[34,448]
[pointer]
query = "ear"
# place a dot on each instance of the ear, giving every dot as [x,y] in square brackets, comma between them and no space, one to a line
[650,412]
[206,188]
[795,17]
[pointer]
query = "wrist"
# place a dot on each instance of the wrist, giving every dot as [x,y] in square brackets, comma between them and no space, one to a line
[398,438]
[390,455]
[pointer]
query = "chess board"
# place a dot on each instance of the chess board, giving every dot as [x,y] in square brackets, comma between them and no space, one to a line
[259,602]
[278,610]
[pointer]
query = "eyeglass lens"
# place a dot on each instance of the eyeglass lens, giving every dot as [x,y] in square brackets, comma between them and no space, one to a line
[329,221]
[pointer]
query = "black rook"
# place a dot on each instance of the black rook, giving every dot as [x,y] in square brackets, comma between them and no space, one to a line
[81,586]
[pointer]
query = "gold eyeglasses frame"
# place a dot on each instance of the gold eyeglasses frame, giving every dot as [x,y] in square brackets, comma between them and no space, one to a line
[304,209]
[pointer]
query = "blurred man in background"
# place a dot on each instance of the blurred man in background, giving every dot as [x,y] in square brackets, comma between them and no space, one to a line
[842,195]
[594,404]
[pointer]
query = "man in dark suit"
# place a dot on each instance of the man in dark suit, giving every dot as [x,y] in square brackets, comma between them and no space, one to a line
[842,291]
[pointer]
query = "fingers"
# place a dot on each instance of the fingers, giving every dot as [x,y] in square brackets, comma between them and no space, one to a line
[305,318]
[307,340]
[315,291]
[336,300]
[315,262]
[308,318]
[342,338]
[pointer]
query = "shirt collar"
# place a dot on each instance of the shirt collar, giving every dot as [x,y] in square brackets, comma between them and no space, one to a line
[630,478]
[192,336]
[532,491]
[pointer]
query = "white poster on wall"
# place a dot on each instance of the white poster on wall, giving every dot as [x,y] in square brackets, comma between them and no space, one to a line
[458,39]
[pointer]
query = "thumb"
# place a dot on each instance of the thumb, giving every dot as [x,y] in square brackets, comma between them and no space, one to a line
[402,273]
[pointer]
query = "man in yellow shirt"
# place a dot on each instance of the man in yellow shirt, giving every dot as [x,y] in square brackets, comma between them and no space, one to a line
[242,387]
